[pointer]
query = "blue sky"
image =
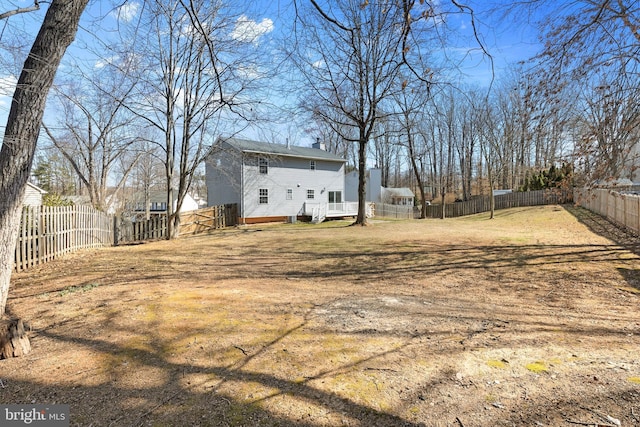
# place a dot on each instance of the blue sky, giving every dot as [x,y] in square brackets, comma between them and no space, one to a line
[506,41]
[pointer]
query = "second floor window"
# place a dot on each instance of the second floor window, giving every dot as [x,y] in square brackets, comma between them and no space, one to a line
[312,165]
[311,194]
[263,165]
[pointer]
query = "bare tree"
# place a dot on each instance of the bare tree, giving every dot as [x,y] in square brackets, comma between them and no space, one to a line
[412,102]
[18,10]
[468,142]
[323,129]
[350,57]
[146,176]
[589,46]
[195,73]
[491,140]
[57,32]
[350,54]
[609,126]
[94,131]
[584,35]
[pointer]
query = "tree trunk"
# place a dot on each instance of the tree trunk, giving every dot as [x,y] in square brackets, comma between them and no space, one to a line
[361,219]
[492,199]
[14,341]
[23,124]
[443,206]
[417,172]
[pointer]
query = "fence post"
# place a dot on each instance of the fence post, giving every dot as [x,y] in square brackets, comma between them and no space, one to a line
[115,230]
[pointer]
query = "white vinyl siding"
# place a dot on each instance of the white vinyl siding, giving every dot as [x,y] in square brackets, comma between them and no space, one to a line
[238,179]
[223,175]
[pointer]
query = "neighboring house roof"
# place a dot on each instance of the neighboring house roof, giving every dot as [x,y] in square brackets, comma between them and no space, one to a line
[33,195]
[36,188]
[399,192]
[160,197]
[248,146]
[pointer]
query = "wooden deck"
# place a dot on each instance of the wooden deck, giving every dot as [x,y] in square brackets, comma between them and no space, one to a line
[319,211]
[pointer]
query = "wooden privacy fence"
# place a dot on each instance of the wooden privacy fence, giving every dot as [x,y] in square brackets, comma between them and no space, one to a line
[192,222]
[127,231]
[207,219]
[483,204]
[385,210]
[47,232]
[619,206]
[50,231]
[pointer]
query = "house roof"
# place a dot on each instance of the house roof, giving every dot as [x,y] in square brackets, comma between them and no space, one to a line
[248,146]
[399,192]
[36,188]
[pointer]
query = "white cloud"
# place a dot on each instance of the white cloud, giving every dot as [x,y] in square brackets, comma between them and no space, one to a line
[126,12]
[101,63]
[250,31]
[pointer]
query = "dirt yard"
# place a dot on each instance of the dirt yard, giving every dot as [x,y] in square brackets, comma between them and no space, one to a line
[530,319]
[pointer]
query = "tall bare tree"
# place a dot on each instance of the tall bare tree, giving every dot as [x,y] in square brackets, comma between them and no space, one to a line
[608,126]
[584,41]
[196,70]
[412,102]
[94,132]
[492,152]
[57,32]
[350,56]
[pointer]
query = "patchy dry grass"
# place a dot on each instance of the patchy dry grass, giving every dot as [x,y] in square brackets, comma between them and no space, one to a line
[528,318]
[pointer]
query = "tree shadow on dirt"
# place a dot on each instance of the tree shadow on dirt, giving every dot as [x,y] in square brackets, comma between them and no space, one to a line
[605,228]
[601,408]
[622,237]
[446,327]
[413,260]
[172,403]
[176,401]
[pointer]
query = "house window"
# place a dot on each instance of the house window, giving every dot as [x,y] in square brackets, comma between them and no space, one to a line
[289,193]
[311,194]
[263,164]
[263,196]
[312,165]
[335,196]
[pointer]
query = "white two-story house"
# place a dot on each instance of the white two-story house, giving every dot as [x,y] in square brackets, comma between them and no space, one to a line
[276,182]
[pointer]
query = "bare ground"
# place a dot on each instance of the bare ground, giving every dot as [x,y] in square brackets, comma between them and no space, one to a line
[528,319]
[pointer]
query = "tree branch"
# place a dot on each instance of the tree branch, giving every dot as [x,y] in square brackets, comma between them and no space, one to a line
[36,6]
